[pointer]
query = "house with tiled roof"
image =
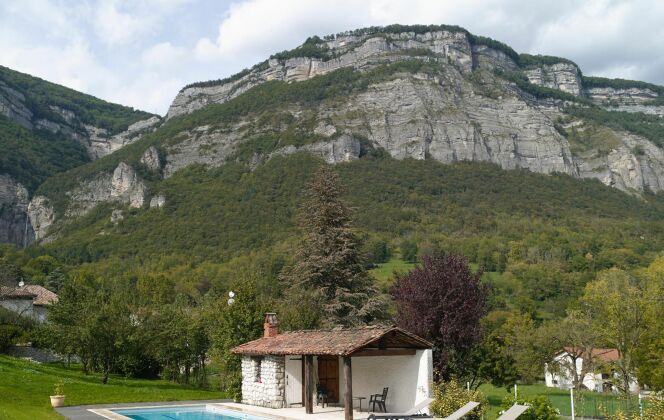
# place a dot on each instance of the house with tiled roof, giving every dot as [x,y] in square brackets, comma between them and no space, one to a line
[596,366]
[346,365]
[30,301]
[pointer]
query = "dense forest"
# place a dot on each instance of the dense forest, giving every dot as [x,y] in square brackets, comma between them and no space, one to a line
[540,238]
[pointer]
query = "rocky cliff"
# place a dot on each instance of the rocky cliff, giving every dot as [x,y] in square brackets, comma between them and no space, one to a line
[35,114]
[97,140]
[354,51]
[14,223]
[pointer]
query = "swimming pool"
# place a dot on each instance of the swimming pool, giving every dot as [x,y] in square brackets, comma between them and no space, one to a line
[191,412]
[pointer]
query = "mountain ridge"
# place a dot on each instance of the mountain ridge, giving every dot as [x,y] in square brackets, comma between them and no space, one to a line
[420,92]
[46,129]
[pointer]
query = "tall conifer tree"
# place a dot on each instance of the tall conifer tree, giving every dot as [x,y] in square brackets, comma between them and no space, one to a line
[328,262]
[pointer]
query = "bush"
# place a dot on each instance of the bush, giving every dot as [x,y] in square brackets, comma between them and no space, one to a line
[8,334]
[408,251]
[540,407]
[450,396]
[377,251]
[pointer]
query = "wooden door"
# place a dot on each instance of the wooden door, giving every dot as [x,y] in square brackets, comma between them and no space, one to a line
[328,376]
[294,381]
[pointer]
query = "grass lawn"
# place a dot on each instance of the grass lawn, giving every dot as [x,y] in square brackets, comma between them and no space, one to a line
[384,273]
[25,388]
[586,404]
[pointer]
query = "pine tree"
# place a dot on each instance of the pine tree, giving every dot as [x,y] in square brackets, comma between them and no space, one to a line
[328,263]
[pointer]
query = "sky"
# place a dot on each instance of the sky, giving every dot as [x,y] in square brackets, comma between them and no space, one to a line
[141,52]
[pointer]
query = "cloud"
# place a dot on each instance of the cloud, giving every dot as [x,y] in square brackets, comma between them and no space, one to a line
[114,27]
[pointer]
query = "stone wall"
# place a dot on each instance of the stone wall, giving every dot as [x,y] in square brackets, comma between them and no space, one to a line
[263,383]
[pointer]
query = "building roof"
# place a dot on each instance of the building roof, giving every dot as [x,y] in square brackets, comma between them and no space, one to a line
[15,293]
[43,296]
[39,295]
[335,342]
[606,355]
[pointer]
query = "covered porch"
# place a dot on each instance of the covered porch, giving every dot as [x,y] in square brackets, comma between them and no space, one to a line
[290,370]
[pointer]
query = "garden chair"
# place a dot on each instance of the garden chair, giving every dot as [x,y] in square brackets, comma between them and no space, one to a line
[379,399]
[321,395]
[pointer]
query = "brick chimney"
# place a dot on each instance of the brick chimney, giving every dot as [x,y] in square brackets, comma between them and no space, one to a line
[270,325]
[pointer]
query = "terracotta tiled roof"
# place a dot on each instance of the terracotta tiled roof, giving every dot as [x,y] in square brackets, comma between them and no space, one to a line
[606,355]
[43,296]
[336,342]
[15,293]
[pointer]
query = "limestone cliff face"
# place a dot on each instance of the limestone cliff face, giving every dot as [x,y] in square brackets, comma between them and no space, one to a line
[413,116]
[41,215]
[122,186]
[12,106]
[100,144]
[561,76]
[626,96]
[444,118]
[633,164]
[97,141]
[14,223]
[349,51]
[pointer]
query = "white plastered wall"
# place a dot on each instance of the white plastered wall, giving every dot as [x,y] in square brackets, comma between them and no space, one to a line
[408,378]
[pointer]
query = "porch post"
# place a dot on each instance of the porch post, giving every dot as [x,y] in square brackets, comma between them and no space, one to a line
[308,384]
[348,391]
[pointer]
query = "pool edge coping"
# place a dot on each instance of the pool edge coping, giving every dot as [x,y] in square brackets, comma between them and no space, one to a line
[99,411]
[110,414]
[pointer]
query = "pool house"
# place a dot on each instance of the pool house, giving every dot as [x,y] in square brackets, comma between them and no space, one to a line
[344,367]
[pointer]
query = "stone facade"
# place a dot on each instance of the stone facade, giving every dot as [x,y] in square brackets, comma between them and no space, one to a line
[263,381]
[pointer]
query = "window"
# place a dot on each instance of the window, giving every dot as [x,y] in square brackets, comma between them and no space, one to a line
[258,362]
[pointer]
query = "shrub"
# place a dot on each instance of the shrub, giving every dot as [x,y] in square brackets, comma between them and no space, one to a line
[540,407]
[8,334]
[450,396]
[409,251]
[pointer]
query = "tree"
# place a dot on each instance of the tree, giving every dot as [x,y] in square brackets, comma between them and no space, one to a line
[328,262]
[650,355]
[92,321]
[492,362]
[577,336]
[619,312]
[443,301]
[408,251]
[10,275]
[526,344]
[377,251]
[230,325]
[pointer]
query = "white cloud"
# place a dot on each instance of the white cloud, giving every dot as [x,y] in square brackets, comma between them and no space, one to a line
[164,54]
[114,27]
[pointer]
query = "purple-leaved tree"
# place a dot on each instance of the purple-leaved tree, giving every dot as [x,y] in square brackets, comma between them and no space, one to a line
[443,301]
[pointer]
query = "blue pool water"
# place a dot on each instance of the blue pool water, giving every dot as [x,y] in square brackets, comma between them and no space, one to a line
[195,412]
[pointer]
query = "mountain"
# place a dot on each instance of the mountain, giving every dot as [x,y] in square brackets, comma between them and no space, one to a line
[45,129]
[443,138]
